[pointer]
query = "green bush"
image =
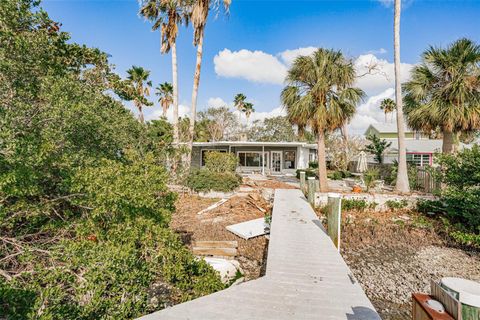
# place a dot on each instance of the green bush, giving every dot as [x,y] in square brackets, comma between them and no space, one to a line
[220,162]
[357,204]
[461,197]
[339,175]
[308,173]
[369,178]
[396,204]
[205,180]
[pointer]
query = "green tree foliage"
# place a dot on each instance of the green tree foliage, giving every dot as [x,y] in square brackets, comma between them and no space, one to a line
[83,198]
[377,147]
[273,129]
[220,161]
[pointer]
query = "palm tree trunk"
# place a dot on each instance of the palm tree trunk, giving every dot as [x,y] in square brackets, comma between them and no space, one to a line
[322,161]
[402,185]
[140,114]
[346,151]
[175,92]
[449,143]
[196,82]
[385,117]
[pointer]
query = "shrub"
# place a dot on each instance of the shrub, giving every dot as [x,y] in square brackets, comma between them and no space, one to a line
[369,178]
[354,204]
[339,175]
[206,180]
[308,173]
[313,164]
[220,162]
[396,204]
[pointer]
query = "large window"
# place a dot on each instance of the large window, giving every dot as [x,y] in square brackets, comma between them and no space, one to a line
[419,159]
[204,151]
[289,159]
[251,159]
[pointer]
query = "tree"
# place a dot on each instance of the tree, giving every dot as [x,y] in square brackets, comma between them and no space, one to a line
[377,147]
[277,129]
[248,109]
[402,174]
[199,15]
[165,93]
[239,103]
[388,106]
[444,92]
[220,122]
[139,89]
[319,95]
[168,15]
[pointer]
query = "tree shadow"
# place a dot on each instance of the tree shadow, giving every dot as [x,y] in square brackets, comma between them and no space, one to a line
[363,313]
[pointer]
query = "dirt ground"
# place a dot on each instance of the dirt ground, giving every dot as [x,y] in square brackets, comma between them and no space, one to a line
[243,206]
[394,254]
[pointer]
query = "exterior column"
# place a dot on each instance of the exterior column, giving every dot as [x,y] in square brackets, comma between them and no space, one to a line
[263,160]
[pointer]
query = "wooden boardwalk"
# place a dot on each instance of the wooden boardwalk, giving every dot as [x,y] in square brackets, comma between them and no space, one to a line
[306,277]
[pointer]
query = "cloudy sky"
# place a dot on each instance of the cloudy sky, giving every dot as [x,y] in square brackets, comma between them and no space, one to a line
[250,50]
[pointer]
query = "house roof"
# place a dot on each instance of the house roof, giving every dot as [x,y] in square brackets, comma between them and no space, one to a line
[414,145]
[254,143]
[383,127]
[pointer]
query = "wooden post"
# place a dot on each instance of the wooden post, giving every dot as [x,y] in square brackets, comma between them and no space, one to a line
[311,186]
[334,218]
[302,181]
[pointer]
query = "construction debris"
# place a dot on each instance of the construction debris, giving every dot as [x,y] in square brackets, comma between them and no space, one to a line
[248,229]
[213,206]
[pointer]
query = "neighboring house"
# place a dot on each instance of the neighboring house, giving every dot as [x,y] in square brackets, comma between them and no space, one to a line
[262,157]
[420,149]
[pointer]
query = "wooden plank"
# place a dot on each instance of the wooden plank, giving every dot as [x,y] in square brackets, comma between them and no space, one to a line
[334,218]
[421,310]
[224,252]
[452,305]
[216,244]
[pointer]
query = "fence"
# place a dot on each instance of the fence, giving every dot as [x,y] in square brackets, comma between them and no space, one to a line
[426,181]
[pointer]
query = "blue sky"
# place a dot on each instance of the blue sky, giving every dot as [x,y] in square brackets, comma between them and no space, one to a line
[250,50]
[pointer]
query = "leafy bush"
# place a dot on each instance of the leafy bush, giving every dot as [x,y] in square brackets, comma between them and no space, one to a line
[220,162]
[461,197]
[308,173]
[377,147]
[357,204]
[206,180]
[339,175]
[369,178]
[468,239]
[396,204]
[313,164]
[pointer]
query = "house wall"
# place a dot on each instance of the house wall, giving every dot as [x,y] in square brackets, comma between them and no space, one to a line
[301,156]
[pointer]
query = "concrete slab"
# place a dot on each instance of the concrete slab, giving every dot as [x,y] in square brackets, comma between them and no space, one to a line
[248,229]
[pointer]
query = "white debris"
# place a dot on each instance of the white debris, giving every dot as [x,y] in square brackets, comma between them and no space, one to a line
[248,229]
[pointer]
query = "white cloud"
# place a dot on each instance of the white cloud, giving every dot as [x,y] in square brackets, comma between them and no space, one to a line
[379,51]
[369,112]
[217,102]
[279,111]
[156,112]
[256,66]
[381,77]
[288,56]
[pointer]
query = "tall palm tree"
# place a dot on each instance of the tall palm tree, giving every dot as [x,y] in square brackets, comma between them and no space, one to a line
[248,109]
[402,184]
[319,95]
[199,15]
[239,103]
[388,106]
[444,92]
[138,78]
[164,91]
[167,15]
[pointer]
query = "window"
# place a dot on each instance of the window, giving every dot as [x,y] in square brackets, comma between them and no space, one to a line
[419,159]
[289,160]
[208,150]
[312,155]
[251,159]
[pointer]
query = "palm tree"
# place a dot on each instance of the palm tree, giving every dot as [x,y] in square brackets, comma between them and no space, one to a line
[199,15]
[248,109]
[164,91]
[319,95]
[388,106]
[140,85]
[239,103]
[402,184]
[168,15]
[444,92]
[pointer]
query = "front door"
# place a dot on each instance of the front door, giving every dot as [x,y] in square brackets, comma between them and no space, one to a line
[276,161]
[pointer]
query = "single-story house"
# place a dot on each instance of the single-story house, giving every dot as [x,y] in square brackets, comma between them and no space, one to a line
[262,157]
